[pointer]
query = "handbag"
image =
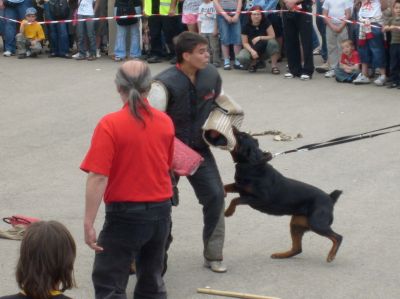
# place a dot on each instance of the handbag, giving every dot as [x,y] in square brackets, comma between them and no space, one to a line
[185,161]
[126,9]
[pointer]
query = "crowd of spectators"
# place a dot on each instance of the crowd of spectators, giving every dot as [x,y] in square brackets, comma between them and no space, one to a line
[241,34]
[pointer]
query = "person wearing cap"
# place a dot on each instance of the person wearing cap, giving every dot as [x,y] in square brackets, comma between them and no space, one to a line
[192,88]
[30,36]
[15,10]
[128,166]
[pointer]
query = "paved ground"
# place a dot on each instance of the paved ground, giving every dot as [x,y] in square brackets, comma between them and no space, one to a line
[50,107]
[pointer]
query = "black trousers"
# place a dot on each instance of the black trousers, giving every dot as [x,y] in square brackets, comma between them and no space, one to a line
[169,26]
[395,63]
[297,28]
[132,231]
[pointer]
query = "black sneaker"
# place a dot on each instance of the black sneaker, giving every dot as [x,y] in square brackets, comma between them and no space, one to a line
[154,59]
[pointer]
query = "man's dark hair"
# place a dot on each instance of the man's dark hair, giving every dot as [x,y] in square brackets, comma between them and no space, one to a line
[46,261]
[186,42]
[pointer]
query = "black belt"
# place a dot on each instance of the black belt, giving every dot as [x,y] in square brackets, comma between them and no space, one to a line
[127,206]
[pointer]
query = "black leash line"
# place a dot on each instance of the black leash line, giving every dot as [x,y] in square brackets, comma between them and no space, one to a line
[341,140]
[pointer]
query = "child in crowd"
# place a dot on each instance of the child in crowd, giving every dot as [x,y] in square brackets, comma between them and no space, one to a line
[190,11]
[46,262]
[229,29]
[335,11]
[393,25]
[30,36]
[207,25]
[86,29]
[371,41]
[349,66]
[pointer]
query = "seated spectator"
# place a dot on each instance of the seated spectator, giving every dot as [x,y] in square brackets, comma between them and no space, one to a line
[258,39]
[46,262]
[349,65]
[30,36]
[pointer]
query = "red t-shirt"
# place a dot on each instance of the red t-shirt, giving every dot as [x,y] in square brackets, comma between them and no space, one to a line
[350,60]
[135,158]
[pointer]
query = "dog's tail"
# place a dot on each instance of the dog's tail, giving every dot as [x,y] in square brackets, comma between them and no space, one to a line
[335,195]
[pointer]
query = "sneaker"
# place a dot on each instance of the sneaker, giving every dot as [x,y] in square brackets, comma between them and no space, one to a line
[28,53]
[154,59]
[79,57]
[380,81]
[98,54]
[76,55]
[323,68]
[7,54]
[317,51]
[305,77]
[288,76]
[238,66]
[393,85]
[330,74]
[118,59]
[361,79]
[215,266]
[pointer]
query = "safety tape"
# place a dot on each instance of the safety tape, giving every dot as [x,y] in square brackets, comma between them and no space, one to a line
[353,22]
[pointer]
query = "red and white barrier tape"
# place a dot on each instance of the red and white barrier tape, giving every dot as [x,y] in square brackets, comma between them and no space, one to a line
[353,22]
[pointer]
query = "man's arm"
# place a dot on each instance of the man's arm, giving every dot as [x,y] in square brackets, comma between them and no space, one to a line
[95,187]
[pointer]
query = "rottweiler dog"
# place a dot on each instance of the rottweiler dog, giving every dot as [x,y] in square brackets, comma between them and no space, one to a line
[265,189]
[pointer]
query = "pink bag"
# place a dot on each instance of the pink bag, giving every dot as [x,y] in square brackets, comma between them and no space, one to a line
[186,161]
[20,220]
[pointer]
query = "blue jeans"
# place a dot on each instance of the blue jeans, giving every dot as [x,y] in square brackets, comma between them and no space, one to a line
[86,29]
[58,34]
[132,231]
[373,52]
[230,32]
[10,28]
[1,22]
[120,40]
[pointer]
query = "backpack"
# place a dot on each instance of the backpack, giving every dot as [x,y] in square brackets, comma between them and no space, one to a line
[59,9]
[125,8]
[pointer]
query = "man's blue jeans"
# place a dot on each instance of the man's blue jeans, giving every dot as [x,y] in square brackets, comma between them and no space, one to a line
[121,38]
[58,34]
[322,30]
[132,232]
[10,28]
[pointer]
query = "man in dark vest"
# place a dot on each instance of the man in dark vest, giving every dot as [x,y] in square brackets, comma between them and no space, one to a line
[193,85]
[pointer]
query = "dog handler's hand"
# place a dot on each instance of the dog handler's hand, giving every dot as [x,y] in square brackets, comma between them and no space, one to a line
[91,239]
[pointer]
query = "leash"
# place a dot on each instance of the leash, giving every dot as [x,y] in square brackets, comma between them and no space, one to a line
[341,140]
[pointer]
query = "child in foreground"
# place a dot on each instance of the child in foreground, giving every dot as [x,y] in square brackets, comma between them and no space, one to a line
[349,65]
[46,262]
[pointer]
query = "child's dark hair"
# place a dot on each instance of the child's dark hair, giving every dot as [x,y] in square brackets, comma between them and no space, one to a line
[186,42]
[46,261]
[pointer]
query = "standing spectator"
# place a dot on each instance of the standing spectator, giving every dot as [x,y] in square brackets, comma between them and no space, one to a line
[86,29]
[57,33]
[125,26]
[13,9]
[128,166]
[45,266]
[321,26]
[193,85]
[349,66]
[100,26]
[229,28]
[371,41]
[393,25]
[208,28]
[190,12]
[162,19]
[259,43]
[298,29]
[336,30]
[30,36]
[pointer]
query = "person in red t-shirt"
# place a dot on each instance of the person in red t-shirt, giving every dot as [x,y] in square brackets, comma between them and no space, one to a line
[349,66]
[128,164]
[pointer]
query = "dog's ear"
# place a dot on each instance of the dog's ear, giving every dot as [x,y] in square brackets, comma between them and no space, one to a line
[268,156]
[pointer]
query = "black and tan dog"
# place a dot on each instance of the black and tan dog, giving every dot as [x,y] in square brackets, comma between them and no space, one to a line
[263,188]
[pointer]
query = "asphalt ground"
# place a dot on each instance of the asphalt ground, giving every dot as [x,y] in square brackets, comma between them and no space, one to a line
[49,108]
